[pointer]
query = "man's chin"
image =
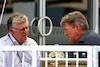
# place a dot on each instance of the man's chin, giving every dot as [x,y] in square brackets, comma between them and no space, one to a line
[70,41]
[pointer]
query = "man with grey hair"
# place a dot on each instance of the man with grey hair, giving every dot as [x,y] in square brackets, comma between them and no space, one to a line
[18,28]
[77,30]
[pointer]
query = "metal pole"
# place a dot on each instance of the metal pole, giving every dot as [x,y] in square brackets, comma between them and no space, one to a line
[42,7]
[95,15]
[93,12]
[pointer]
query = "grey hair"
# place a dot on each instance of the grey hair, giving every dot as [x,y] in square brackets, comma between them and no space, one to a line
[75,18]
[16,18]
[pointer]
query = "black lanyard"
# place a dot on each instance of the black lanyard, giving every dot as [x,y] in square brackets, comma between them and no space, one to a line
[17,51]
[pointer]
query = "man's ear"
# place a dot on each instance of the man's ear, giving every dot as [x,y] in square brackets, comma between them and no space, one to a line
[77,28]
[11,30]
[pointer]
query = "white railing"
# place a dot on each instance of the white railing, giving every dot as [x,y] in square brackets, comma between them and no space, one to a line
[66,49]
[18,48]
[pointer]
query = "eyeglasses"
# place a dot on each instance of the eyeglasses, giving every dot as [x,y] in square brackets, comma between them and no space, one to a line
[23,29]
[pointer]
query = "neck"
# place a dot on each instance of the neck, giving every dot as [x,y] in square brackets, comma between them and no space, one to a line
[79,35]
[19,41]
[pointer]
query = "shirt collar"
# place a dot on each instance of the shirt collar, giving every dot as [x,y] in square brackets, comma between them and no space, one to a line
[14,40]
[82,39]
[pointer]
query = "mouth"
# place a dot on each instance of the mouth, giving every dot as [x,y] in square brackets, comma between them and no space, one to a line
[25,36]
[68,36]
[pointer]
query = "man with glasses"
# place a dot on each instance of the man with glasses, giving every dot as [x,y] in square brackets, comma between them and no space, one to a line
[18,28]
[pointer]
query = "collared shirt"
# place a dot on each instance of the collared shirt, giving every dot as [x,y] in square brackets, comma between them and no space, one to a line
[9,40]
[89,38]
